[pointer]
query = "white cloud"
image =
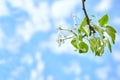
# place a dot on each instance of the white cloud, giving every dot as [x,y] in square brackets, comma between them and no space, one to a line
[103,5]
[62,23]
[50,77]
[36,74]
[93,58]
[53,45]
[39,20]
[16,73]
[12,44]
[73,68]
[116,20]
[41,17]
[17,3]
[103,72]
[116,56]
[63,8]
[38,56]
[25,31]
[27,59]
[33,75]
[3,8]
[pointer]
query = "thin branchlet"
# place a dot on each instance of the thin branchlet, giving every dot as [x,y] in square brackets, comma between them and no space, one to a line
[87,18]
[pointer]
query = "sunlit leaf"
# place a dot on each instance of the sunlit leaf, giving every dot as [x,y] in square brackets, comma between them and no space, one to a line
[99,51]
[97,46]
[84,22]
[104,20]
[86,29]
[110,28]
[109,46]
[80,37]
[111,34]
[74,43]
[83,47]
[98,29]
[102,49]
[93,45]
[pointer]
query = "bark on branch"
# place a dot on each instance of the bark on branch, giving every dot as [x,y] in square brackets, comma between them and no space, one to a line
[87,18]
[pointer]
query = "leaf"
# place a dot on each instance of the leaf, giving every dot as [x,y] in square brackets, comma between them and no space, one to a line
[97,46]
[109,46]
[111,34]
[102,49]
[74,43]
[99,51]
[80,38]
[86,29]
[110,28]
[98,42]
[93,46]
[84,22]
[83,47]
[98,29]
[104,20]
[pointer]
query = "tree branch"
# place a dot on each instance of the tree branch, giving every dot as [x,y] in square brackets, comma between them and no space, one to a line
[87,18]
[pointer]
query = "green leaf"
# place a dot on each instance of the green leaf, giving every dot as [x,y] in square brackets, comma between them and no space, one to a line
[98,42]
[102,49]
[110,28]
[80,38]
[93,45]
[87,30]
[99,51]
[98,29]
[97,46]
[109,46]
[83,47]
[74,43]
[84,22]
[104,20]
[111,34]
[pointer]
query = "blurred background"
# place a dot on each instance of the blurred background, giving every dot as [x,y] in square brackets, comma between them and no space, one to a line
[28,47]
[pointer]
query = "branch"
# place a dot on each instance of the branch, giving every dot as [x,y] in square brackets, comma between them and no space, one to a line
[87,18]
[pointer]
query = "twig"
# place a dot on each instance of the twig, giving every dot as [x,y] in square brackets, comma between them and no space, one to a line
[87,18]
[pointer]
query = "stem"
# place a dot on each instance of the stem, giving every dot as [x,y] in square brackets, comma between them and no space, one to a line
[70,31]
[86,15]
[68,38]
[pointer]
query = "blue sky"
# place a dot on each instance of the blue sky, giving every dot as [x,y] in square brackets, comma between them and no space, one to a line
[28,48]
